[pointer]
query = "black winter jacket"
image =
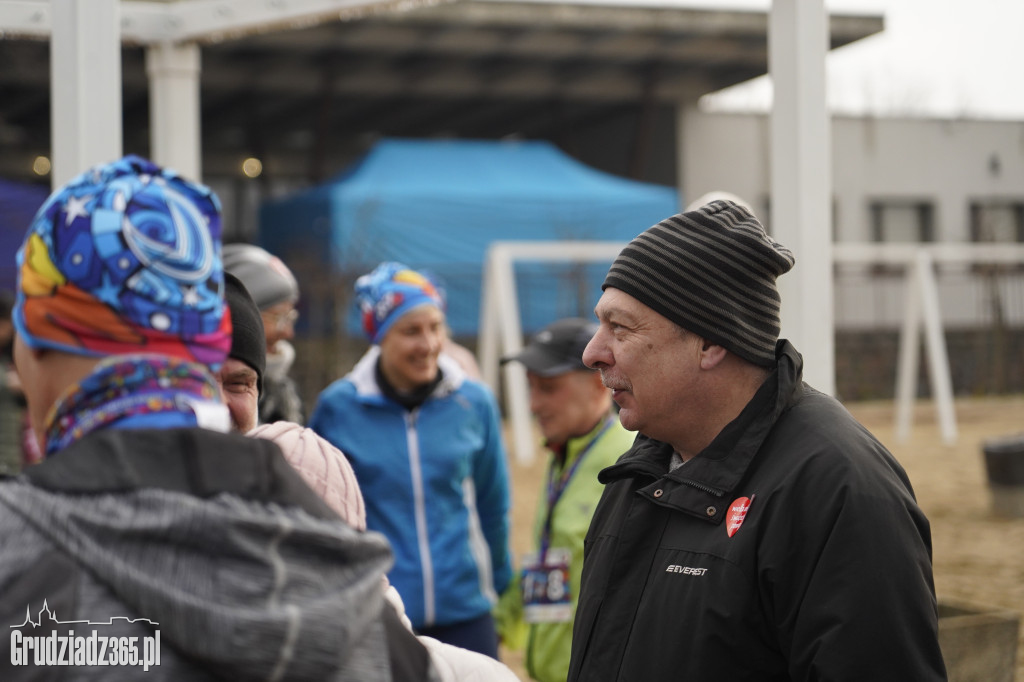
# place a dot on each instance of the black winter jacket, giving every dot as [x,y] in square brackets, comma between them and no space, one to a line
[791,548]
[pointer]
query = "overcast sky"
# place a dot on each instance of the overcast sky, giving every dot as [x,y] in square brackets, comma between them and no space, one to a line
[942,58]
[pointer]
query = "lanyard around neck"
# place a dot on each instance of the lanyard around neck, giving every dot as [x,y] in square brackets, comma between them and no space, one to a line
[558,484]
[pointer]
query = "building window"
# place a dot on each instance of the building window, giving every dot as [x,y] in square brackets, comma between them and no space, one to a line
[997,221]
[902,221]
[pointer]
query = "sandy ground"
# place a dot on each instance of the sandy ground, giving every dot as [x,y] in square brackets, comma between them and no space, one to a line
[978,556]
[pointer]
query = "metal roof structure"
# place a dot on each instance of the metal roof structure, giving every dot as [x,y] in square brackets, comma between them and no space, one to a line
[307,93]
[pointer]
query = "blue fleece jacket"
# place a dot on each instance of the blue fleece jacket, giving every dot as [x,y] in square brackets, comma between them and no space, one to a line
[435,482]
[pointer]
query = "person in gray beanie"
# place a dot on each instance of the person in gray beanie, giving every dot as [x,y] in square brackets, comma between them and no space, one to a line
[275,291]
[754,530]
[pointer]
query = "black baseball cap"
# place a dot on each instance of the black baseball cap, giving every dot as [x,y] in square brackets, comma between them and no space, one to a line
[558,348]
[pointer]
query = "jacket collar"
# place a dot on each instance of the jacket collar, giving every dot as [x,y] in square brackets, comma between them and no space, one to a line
[363,377]
[716,471]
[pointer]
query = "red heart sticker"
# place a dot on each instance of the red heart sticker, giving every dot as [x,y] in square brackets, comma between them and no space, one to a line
[737,512]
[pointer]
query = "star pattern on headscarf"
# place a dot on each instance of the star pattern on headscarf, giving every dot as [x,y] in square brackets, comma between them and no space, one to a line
[75,208]
[190,297]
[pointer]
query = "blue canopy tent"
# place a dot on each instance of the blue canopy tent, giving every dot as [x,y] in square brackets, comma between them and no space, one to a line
[18,205]
[438,205]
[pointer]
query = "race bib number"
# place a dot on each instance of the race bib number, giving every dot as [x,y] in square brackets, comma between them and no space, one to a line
[546,588]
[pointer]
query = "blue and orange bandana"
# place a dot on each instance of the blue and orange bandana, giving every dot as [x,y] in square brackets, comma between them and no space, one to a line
[389,292]
[125,258]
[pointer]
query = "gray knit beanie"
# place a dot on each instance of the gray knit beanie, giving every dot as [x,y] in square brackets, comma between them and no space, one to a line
[711,271]
[267,279]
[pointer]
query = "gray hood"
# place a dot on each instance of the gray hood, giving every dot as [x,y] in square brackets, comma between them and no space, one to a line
[248,574]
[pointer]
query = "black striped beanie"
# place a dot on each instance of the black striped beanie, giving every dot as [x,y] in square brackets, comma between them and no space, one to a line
[711,271]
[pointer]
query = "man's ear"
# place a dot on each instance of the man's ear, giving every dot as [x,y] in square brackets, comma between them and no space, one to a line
[711,354]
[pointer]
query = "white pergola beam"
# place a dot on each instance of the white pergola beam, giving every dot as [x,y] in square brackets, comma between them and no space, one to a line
[85,58]
[174,112]
[947,253]
[935,343]
[923,313]
[214,19]
[191,20]
[801,183]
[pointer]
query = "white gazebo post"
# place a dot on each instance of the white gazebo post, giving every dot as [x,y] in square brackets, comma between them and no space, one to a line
[174,113]
[85,76]
[801,182]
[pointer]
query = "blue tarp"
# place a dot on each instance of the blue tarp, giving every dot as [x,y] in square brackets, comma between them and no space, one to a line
[18,205]
[437,205]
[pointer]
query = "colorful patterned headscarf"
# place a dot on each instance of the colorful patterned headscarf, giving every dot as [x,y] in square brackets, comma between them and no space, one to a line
[125,258]
[389,292]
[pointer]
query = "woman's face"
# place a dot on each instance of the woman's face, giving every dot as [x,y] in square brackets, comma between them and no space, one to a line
[409,349]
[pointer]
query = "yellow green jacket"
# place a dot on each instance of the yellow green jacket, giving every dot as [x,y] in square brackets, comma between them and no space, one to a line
[548,645]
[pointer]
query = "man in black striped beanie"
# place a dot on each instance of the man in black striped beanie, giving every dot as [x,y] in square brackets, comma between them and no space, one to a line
[711,271]
[754,530]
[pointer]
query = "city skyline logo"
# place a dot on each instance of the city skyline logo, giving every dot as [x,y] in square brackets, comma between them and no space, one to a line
[65,648]
[53,618]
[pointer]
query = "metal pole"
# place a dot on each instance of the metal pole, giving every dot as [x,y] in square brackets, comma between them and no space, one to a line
[174,112]
[801,181]
[85,82]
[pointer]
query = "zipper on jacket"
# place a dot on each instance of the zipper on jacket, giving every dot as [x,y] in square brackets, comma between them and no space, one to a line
[419,502]
[478,546]
[700,486]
